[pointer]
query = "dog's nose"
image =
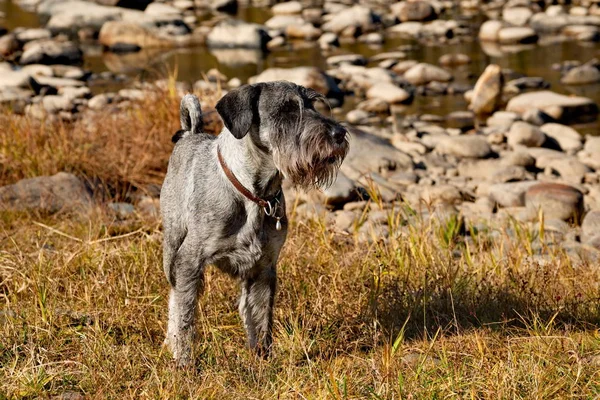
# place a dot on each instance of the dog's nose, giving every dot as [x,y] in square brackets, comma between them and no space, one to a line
[338,133]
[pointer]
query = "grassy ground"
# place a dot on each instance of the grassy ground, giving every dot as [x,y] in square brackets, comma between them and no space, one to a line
[427,315]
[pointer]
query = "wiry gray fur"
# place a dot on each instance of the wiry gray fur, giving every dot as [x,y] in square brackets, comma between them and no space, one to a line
[271,131]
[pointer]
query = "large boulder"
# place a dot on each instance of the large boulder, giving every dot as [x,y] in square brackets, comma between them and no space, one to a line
[490,30]
[566,137]
[487,93]
[60,192]
[238,34]
[311,77]
[565,109]
[517,34]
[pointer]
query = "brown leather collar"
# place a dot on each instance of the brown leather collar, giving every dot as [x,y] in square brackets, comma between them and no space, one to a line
[266,204]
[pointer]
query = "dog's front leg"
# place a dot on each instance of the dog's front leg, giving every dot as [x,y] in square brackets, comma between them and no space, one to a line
[256,309]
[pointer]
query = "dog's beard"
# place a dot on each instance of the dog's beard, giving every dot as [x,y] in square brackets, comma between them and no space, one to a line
[313,166]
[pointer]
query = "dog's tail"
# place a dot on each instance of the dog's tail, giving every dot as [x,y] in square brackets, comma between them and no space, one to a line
[190,115]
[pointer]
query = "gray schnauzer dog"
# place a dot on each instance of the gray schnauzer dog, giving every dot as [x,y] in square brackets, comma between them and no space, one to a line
[222,202]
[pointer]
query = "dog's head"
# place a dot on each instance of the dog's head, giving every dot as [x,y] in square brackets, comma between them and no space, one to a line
[280,118]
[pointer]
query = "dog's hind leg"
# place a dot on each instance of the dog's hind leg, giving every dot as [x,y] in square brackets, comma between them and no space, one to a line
[256,309]
[187,281]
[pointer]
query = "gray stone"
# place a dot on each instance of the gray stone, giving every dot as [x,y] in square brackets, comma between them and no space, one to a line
[311,77]
[289,7]
[467,146]
[512,35]
[389,92]
[569,168]
[122,210]
[342,191]
[32,34]
[358,16]
[54,104]
[51,194]
[490,30]
[583,75]
[524,134]
[370,153]
[556,201]
[413,11]
[237,34]
[51,52]
[518,158]
[510,194]
[562,108]
[567,138]
[590,227]
[517,16]
[487,92]
[423,73]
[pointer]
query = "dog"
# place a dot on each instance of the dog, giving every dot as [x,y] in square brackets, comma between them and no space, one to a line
[222,202]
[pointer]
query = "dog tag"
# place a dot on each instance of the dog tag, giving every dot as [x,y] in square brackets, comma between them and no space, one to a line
[278,224]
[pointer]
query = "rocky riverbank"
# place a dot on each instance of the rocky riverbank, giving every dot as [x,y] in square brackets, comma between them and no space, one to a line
[518,150]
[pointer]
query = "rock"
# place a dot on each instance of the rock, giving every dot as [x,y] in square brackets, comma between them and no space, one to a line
[585,74]
[289,7]
[466,146]
[373,38]
[311,77]
[423,73]
[50,194]
[72,15]
[524,134]
[567,138]
[32,34]
[490,30]
[51,52]
[375,105]
[510,194]
[451,60]
[358,117]
[350,59]
[100,101]
[122,210]
[16,79]
[389,93]
[328,39]
[361,159]
[487,93]
[407,29]
[116,34]
[342,191]
[8,45]
[502,119]
[283,21]
[590,226]
[357,16]
[517,16]
[161,9]
[536,117]
[518,158]
[53,104]
[462,120]
[413,11]
[440,194]
[512,35]
[237,34]
[562,108]
[556,201]
[305,31]
[511,173]
[276,42]
[569,168]
[226,6]
[345,220]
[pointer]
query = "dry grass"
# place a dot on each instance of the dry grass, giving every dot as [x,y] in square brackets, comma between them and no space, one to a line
[427,315]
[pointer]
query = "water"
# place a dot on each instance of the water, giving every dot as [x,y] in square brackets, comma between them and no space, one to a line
[191,63]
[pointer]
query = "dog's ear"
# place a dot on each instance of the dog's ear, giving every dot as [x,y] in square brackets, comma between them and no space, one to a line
[237,109]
